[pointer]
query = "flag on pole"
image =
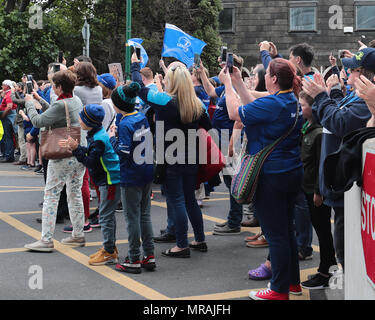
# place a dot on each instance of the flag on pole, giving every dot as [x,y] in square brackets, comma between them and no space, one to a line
[136,42]
[181,45]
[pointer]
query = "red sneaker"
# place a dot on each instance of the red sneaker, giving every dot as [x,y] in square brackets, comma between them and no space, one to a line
[295,289]
[268,294]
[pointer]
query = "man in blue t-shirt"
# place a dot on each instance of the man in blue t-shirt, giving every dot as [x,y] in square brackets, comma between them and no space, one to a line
[148,80]
[224,126]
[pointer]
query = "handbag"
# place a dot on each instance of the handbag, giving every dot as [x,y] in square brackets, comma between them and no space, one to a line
[50,148]
[245,182]
[215,160]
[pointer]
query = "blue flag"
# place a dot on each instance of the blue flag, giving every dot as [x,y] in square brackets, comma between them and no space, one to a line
[180,45]
[136,42]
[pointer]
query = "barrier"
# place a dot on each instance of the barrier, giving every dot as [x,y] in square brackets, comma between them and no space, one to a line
[360,232]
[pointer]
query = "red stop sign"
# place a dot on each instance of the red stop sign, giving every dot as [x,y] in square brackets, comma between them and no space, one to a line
[368,216]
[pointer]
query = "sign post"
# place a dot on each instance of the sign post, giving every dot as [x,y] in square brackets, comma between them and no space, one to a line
[128,36]
[86,38]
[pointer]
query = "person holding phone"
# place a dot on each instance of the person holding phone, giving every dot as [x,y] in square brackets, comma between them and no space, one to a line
[224,125]
[8,114]
[266,119]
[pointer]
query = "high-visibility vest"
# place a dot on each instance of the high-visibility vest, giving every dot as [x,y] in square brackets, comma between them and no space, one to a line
[1,130]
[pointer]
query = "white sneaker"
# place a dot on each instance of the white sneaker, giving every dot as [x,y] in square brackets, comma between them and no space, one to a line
[74,242]
[40,246]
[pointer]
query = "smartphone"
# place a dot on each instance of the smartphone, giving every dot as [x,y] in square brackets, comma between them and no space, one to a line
[224,54]
[197,60]
[229,64]
[138,52]
[61,56]
[29,87]
[56,68]
[363,39]
[341,54]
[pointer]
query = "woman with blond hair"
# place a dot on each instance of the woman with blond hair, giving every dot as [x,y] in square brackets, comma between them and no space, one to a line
[180,110]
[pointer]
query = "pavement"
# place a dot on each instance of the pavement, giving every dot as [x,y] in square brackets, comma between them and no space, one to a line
[219,274]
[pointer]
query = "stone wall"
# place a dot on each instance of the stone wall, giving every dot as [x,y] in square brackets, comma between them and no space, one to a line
[256,21]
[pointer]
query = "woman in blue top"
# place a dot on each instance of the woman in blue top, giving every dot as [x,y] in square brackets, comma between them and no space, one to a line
[265,120]
[176,112]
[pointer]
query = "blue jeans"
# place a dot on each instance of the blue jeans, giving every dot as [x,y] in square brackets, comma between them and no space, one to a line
[235,211]
[302,220]
[180,187]
[275,200]
[109,197]
[170,217]
[136,202]
[7,141]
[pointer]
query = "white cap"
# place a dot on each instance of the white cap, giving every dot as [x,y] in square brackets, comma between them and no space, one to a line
[8,83]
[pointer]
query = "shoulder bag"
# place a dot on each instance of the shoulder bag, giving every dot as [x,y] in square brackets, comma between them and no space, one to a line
[50,139]
[244,183]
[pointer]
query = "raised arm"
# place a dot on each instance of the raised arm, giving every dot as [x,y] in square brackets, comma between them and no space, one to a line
[208,87]
[232,100]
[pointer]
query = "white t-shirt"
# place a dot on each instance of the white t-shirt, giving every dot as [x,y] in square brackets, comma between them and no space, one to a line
[110,113]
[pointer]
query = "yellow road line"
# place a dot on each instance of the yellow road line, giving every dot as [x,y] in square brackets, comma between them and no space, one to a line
[245,293]
[12,213]
[215,199]
[158,204]
[20,212]
[13,250]
[105,271]
[22,190]
[21,187]
[17,173]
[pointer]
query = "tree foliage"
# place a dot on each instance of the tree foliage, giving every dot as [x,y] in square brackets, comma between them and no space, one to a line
[25,50]
[198,18]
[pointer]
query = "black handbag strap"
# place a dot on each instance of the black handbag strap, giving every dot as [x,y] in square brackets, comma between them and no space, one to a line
[111,123]
[274,144]
[289,131]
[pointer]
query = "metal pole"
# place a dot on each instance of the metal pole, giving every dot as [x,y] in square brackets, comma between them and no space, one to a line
[128,36]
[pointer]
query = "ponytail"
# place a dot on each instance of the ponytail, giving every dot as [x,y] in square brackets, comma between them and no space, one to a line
[286,75]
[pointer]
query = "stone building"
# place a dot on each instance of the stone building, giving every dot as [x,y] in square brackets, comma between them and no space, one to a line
[321,23]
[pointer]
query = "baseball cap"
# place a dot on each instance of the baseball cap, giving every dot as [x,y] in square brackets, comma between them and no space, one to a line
[8,83]
[364,58]
[107,80]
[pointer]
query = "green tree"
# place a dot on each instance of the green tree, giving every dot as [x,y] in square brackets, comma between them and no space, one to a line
[25,50]
[198,18]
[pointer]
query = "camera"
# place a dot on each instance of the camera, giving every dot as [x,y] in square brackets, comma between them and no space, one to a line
[29,84]
[229,64]
[224,54]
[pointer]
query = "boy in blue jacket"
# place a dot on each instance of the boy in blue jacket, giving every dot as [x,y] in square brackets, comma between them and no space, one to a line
[137,173]
[104,168]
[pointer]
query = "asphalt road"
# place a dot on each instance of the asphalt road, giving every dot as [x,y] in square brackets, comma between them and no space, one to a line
[219,274]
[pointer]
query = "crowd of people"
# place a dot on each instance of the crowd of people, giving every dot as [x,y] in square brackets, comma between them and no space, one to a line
[114,155]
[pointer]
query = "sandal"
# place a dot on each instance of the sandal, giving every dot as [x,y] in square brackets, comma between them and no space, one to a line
[260,273]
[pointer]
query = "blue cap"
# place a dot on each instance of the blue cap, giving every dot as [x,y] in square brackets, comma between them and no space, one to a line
[216,79]
[92,115]
[107,80]
[364,58]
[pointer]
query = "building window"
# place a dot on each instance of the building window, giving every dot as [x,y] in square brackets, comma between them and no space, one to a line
[227,17]
[365,15]
[302,16]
